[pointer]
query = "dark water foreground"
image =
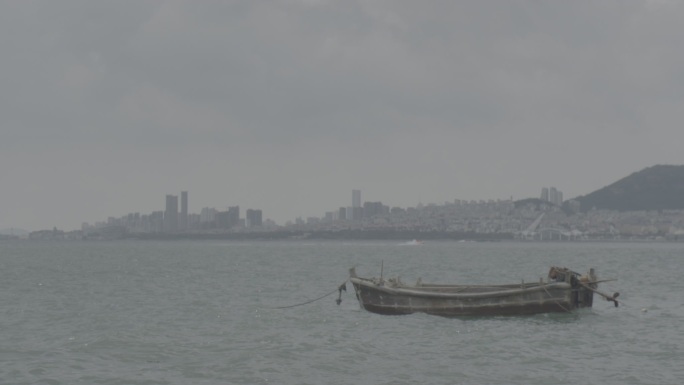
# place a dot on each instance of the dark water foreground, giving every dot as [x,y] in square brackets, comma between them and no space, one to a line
[190,312]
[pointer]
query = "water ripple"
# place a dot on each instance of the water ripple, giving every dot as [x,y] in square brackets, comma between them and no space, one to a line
[199,313]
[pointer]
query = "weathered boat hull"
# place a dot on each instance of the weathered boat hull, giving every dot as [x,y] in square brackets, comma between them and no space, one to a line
[393,298]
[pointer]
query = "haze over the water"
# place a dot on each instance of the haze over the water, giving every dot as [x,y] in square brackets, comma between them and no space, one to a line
[106,107]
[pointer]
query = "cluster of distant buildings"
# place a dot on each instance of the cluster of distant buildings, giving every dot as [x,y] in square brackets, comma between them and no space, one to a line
[460,215]
[543,219]
[208,218]
[376,215]
[175,219]
[355,212]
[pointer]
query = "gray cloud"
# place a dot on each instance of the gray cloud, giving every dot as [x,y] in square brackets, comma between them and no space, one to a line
[288,105]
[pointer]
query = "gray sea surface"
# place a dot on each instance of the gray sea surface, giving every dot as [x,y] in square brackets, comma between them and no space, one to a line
[188,312]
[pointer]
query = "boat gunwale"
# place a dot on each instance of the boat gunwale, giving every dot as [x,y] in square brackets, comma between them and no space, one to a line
[506,290]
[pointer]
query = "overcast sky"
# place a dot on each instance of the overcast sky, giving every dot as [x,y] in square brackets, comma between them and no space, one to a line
[286,106]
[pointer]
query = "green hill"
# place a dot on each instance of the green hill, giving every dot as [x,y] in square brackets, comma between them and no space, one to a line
[659,187]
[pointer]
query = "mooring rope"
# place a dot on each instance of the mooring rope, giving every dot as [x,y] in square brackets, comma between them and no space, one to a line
[343,286]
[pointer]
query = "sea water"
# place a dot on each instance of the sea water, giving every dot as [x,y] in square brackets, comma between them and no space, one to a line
[189,312]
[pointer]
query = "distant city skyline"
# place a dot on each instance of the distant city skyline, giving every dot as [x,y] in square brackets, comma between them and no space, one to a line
[172,220]
[526,220]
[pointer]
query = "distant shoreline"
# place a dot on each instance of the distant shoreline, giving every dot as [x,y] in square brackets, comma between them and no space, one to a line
[340,235]
[379,235]
[330,235]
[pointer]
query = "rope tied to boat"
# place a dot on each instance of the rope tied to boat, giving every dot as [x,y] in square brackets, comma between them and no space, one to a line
[342,287]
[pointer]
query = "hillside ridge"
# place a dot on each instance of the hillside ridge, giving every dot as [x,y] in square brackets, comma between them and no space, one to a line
[660,187]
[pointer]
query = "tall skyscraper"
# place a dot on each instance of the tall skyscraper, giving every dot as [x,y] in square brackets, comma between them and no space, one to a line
[171,214]
[184,211]
[356,198]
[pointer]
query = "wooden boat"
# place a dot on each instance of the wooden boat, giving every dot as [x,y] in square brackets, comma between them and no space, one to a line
[563,291]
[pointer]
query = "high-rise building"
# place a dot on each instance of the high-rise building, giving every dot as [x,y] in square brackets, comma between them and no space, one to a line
[234,215]
[184,211]
[372,209]
[222,220]
[171,214]
[207,215]
[356,198]
[545,194]
[253,218]
[156,221]
[342,213]
[552,195]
